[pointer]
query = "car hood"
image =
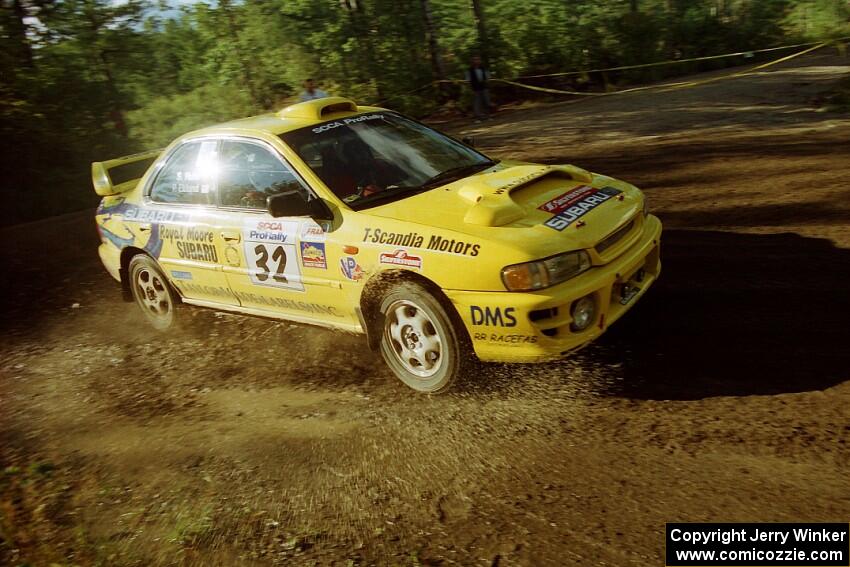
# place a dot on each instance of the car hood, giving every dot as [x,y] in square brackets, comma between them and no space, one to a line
[527,198]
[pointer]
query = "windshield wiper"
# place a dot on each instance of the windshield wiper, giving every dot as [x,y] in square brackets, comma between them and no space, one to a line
[396,191]
[457,172]
[392,192]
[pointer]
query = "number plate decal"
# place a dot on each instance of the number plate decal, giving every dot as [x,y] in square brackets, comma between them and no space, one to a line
[271,250]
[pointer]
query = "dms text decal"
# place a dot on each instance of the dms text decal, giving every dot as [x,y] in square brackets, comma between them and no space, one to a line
[493,316]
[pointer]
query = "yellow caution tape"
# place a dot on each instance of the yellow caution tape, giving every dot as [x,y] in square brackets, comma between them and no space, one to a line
[842,47]
[748,71]
[669,61]
[663,86]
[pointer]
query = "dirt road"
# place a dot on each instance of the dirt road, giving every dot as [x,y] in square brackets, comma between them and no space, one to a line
[723,396]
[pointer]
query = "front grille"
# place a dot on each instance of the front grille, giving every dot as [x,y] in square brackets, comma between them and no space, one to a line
[541,314]
[614,237]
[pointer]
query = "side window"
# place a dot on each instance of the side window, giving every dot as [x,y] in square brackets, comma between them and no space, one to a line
[189,175]
[249,174]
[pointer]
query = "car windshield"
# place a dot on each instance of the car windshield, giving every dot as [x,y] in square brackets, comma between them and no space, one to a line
[373,158]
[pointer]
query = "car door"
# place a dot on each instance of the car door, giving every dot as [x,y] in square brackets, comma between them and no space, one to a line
[180,215]
[282,264]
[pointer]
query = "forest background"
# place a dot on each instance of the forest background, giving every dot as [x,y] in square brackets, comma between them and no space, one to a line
[86,80]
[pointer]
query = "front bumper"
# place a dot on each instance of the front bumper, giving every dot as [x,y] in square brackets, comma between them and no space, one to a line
[536,327]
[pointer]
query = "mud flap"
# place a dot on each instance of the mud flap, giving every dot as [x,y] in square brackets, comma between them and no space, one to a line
[373,334]
[126,292]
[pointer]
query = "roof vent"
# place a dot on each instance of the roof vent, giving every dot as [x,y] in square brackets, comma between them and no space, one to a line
[318,109]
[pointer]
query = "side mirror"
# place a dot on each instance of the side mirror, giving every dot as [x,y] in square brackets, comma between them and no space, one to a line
[294,204]
[469,141]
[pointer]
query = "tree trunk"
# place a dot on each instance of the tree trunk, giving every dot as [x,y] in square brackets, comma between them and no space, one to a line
[18,32]
[483,43]
[117,113]
[433,43]
[361,24]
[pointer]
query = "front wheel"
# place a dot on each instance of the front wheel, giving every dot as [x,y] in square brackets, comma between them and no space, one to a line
[152,292]
[419,342]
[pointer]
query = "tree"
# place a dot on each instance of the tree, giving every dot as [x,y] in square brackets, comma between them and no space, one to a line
[481,27]
[99,31]
[90,79]
[433,43]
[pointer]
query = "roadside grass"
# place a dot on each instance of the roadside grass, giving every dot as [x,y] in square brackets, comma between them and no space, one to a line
[29,497]
[192,529]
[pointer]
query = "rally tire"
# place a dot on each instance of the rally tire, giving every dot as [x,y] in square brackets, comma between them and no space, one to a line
[420,342]
[153,293]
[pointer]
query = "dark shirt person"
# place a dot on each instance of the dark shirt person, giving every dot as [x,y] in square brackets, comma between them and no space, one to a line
[477,76]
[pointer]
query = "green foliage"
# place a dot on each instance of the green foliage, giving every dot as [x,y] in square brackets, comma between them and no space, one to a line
[163,119]
[85,80]
[817,19]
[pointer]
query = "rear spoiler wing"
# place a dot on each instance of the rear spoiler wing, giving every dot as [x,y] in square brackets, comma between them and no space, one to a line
[118,175]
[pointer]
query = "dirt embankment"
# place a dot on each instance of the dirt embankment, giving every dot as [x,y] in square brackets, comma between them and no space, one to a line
[723,396]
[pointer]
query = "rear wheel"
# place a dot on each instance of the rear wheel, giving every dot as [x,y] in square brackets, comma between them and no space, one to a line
[419,341]
[152,292]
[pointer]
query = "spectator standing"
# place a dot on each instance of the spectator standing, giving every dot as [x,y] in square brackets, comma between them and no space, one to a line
[478,75]
[311,92]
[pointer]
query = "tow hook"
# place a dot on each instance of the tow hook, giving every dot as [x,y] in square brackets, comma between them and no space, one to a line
[627,292]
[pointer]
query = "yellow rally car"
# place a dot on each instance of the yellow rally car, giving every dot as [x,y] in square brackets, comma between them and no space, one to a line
[357,218]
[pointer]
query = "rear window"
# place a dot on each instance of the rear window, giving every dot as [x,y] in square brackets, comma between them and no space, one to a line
[130,171]
[188,177]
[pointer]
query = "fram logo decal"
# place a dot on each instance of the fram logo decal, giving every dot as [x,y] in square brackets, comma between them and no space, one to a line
[312,232]
[401,258]
[493,316]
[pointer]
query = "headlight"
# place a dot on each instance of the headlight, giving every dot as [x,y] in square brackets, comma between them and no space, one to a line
[544,273]
[583,312]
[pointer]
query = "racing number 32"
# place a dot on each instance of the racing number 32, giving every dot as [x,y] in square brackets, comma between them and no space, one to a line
[261,258]
[272,264]
[271,254]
